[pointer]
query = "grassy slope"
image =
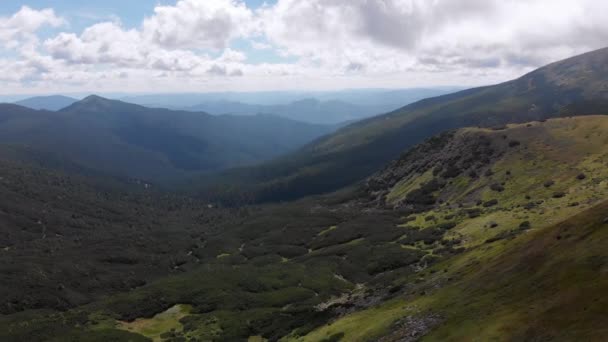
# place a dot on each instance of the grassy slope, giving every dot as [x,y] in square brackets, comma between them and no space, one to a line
[548,284]
[541,283]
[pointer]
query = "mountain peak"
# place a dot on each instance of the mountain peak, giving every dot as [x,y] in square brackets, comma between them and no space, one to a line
[96,103]
[94,98]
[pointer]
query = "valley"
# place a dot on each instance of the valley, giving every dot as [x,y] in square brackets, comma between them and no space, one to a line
[458,226]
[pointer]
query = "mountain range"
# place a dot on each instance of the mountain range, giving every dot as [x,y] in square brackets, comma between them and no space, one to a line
[474,216]
[306,110]
[133,141]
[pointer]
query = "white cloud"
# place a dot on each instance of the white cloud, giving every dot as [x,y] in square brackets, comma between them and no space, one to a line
[198,24]
[100,43]
[21,26]
[397,35]
[328,43]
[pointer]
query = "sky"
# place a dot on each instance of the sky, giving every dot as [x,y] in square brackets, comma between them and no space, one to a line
[162,46]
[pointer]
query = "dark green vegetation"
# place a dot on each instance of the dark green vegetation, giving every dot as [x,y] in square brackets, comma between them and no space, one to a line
[424,246]
[576,86]
[132,141]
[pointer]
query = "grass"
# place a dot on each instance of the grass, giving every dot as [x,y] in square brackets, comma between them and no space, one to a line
[536,286]
[161,323]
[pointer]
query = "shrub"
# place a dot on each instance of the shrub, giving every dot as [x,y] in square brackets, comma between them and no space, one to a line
[334,338]
[497,187]
[514,143]
[424,195]
[525,225]
[490,203]
[559,194]
[447,225]
[452,172]
[473,213]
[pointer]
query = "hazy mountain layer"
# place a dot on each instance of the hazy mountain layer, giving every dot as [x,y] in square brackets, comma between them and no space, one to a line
[53,103]
[128,140]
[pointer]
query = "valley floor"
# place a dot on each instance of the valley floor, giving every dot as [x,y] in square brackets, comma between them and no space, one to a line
[474,235]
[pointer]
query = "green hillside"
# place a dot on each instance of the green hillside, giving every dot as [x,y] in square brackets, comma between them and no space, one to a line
[488,234]
[126,140]
[576,86]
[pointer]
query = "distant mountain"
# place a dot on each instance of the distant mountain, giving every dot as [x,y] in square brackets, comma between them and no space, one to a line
[576,86]
[127,140]
[367,97]
[54,102]
[315,107]
[307,110]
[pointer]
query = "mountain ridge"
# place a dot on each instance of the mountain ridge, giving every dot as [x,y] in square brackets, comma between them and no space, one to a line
[575,86]
[156,144]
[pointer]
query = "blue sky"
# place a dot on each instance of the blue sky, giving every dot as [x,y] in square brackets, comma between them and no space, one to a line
[81,14]
[235,45]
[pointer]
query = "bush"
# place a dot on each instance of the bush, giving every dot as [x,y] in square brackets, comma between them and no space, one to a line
[424,195]
[559,194]
[497,187]
[447,225]
[334,338]
[490,203]
[514,143]
[525,225]
[473,213]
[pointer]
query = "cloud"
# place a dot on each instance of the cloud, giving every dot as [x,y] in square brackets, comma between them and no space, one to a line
[24,24]
[100,43]
[323,43]
[198,24]
[403,34]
